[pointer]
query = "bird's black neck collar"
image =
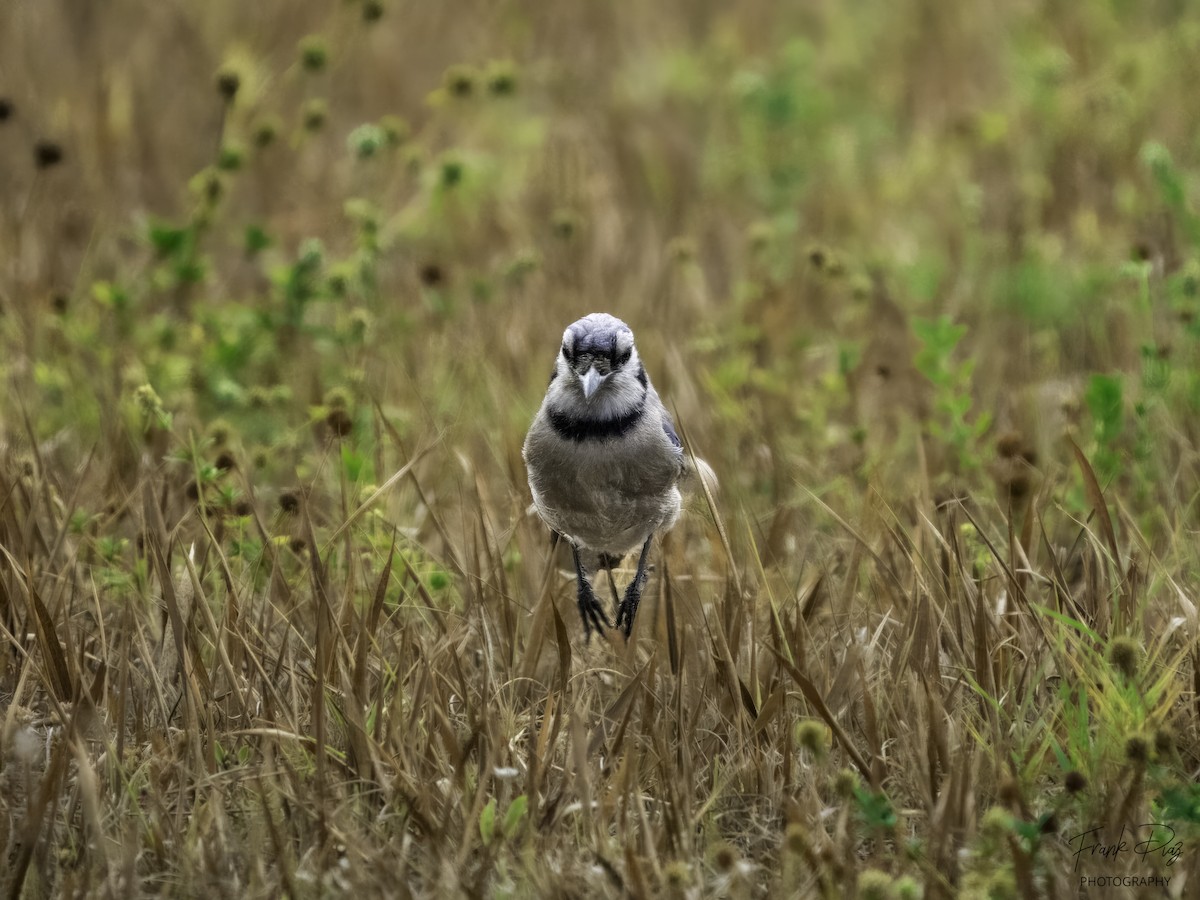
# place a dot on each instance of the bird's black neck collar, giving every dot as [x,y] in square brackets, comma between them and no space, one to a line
[575,428]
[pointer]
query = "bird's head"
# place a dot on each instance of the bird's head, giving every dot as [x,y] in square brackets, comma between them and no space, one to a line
[598,357]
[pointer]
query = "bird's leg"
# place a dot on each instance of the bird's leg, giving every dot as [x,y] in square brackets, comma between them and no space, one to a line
[608,562]
[633,593]
[590,609]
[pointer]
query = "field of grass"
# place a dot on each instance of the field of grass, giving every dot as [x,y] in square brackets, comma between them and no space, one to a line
[281,284]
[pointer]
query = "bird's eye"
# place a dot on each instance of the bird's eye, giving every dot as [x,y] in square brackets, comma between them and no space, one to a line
[566,353]
[624,357]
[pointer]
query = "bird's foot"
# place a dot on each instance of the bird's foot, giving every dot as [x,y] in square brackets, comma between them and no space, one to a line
[591,611]
[629,606]
[633,594]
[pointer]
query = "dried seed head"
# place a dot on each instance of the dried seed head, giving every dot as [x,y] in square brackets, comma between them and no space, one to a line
[260,396]
[228,82]
[813,737]
[846,783]
[413,158]
[1189,285]
[6,109]
[874,884]
[431,274]
[1074,782]
[230,157]
[314,54]
[289,502]
[1125,654]
[1137,750]
[521,265]
[502,79]
[359,324]
[566,223]
[460,80]
[372,11]
[760,236]
[861,287]
[1009,792]
[724,857]
[795,839]
[266,130]
[337,283]
[207,185]
[213,187]
[677,874]
[298,545]
[1009,444]
[366,140]
[1015,485]
[996,823]
[395,130]
[339,422]
[225,461]
[681,250]
[337,398]
[818,256]
[148,401]
[22,740]
[452,172]
[1013,467]
[219,431]
[316,111]
[243,508]
[47,154]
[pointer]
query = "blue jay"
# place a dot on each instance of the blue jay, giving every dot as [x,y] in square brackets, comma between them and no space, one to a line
[605,463]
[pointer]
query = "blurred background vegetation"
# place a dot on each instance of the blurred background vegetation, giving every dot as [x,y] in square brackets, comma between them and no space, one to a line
[250,208]
[883,259]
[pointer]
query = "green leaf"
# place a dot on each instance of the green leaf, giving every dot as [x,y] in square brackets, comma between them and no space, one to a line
[1157,159]
[353,464]
[514,815]
[487,822]
[1181,803]
[167,240]
[256,240]
[875,809]
[190,271]
[1105,401]
[1032,831]
[439,579]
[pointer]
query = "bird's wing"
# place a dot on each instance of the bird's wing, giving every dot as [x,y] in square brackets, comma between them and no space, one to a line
[668,427]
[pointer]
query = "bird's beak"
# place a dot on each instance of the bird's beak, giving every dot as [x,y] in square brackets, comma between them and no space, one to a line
[591,381]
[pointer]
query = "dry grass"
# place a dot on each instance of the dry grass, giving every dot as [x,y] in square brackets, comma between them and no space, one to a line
[274,617]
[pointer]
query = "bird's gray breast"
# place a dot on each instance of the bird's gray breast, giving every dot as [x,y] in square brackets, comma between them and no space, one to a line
[606,494]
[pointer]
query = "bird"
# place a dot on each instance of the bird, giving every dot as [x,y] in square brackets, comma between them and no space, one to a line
[604,461]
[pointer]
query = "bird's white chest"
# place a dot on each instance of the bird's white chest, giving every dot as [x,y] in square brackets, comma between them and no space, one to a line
[606,495]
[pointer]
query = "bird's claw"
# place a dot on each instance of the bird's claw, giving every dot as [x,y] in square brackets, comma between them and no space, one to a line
[633,594]
[591,612]
[629,606]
